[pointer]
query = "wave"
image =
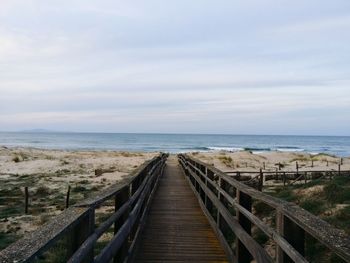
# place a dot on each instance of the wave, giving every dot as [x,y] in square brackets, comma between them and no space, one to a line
[228,149]
[200,148]
[290,149]
[254,149]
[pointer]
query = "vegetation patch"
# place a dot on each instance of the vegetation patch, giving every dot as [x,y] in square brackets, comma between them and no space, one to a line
[6,239]
[329,200]
[226,160]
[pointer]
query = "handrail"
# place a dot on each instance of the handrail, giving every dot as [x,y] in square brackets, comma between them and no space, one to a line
[286,171]
[78,221]
[215,188]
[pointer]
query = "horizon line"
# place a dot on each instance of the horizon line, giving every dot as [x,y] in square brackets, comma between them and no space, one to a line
[167,133]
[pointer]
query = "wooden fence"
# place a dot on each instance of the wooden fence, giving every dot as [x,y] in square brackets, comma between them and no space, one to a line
[228,203]
[257,179]
[76,225]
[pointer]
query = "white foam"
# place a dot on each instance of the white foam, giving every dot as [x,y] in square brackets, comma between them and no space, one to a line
[289,150]
[228,149]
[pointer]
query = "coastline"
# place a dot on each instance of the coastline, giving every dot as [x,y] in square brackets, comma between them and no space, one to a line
[178,143]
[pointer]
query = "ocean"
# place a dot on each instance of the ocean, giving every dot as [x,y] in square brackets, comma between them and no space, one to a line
[176,143]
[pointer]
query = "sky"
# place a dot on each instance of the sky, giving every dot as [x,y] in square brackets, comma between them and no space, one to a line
[223,67]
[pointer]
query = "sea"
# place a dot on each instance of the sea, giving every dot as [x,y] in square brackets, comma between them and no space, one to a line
[177,143]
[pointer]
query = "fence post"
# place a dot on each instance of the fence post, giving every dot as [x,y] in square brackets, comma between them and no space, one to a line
[121,198]
[243,255]
[26,199]
[261,180]
[67,197]
[339,167]
[294,234]
[297,166]
[276,174]
[284,178]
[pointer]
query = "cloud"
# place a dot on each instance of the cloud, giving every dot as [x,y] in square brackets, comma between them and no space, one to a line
[175,66]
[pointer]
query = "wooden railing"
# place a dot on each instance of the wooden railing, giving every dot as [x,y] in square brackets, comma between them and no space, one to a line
[228,205]
[75,227]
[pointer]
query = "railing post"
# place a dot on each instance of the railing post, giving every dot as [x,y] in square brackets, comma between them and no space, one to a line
[206,183]
[280,230]
[219,197]
[293,233]
[243,255]
[80,233]
[121,199]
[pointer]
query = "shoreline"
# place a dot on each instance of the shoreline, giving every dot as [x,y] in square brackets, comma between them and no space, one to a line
[177,143]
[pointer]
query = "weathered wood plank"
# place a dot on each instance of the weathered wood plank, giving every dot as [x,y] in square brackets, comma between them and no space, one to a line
[177,230]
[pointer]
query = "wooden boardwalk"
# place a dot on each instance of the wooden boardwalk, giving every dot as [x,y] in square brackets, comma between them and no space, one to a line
[166,224]
[176,228]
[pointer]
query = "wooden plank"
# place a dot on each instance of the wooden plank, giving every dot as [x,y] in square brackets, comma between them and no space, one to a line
[245,201]
[176,229]
[120,200]
[80,233]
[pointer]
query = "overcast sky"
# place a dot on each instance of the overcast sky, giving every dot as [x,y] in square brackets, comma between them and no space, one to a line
[235,66]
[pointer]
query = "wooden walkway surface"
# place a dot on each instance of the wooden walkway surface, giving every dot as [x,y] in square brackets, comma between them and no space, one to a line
[176,229]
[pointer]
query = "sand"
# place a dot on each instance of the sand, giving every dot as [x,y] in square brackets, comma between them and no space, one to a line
[47,174]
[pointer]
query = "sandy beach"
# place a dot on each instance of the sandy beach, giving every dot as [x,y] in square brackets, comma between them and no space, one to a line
[47,174]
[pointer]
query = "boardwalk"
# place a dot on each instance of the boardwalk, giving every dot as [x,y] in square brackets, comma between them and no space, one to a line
[176,228]
[171,227]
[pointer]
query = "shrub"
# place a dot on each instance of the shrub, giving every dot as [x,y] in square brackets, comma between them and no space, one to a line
[16,159]
[262,209]
[79,188]
[6,239]
[334,193]
[43,191]
[227,160]
[313,206]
